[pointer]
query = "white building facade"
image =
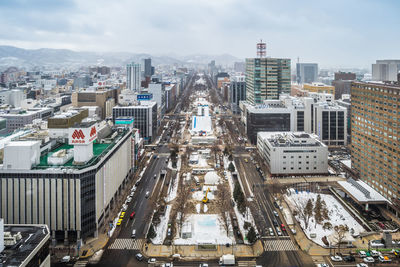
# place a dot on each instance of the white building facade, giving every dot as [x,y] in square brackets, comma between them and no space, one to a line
[133,76]
[296,153]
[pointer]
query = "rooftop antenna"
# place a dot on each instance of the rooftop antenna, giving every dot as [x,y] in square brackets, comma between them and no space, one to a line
[261,49]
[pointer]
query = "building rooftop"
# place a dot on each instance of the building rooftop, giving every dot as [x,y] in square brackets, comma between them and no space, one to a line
[33,237]
[140,104]
[362,192]
[291,139]
[99,150]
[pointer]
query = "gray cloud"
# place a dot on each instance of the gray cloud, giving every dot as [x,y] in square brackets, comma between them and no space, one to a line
[342,33]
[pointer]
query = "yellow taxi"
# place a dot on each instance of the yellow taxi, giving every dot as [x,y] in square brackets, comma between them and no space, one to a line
[122,215]
[119,222]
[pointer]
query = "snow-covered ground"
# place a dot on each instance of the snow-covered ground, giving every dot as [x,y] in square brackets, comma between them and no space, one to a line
[173,189]
[242,218]
[178,164]
[198,195]
[247,217]
[337,215]
[202,163]
[211,178]
[207,229]
[162,227]
[198,207]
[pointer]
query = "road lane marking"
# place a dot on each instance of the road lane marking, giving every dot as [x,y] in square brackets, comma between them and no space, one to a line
[133,222]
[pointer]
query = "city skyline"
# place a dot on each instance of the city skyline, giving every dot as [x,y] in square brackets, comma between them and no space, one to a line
[331,35]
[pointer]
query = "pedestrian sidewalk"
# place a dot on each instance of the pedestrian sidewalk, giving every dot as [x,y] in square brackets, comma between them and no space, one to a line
[190,252]
[93,245]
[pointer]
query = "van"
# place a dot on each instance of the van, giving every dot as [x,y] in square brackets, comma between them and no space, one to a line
[133,235]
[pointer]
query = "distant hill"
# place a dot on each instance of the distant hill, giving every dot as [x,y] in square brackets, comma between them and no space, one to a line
[28,58]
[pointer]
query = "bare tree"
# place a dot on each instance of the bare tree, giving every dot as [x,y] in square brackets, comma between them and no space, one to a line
[340,234]
[215,149]
[304,209]
[181,205]
[224,204]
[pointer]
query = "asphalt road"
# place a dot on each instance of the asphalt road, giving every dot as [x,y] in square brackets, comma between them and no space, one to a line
[143,208]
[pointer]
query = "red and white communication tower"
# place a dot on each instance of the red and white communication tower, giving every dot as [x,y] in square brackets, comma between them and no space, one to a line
[261,49]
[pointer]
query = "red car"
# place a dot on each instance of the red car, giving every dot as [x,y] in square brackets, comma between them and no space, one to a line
[283,227]
[132,215]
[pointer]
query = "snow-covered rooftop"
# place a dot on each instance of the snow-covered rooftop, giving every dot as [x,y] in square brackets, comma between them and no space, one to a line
[201,123]
[347,162]
[361,191]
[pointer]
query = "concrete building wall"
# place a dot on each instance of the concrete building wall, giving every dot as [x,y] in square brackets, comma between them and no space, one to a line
[293,160]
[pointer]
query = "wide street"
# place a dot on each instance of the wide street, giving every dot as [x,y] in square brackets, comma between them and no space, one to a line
[278,250]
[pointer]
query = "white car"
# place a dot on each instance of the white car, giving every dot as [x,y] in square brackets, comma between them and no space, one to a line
[152,260]
[131,194]
[271,232]
[369,259]
[147,194]
[336,258]
[129,199]
[275,213]
[124,207]
[203,265]
[362,254]
[375,253]
[361,265]
[323,265]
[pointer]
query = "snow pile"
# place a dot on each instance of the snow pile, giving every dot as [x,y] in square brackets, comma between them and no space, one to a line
[173,189]
[162,227]
[205,208]
[211,178]
[178,164]
[337,216]
[198,208]
[207,229]
[198,195]
[201,81]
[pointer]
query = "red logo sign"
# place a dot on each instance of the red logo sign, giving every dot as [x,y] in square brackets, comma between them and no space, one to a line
[78,134]
[93,131]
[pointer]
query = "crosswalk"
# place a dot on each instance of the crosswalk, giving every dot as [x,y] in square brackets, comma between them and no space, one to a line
[127,243]
[80,263]
[279,245]
[247,263]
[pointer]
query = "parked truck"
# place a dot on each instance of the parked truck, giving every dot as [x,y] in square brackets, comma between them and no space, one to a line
[227,259]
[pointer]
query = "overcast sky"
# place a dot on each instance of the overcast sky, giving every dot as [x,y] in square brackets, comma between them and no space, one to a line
[340,33]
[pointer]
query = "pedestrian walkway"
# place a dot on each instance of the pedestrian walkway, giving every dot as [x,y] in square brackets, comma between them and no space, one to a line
[81,263]
[127,243]
[247,263]
[279,245]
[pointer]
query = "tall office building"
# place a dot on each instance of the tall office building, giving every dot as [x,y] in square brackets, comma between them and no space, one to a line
[266,78]
[306,72]
[342,83]
[375,146]
[145,115]
[133,76]
[237,92]
[147,67]
[385,70]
